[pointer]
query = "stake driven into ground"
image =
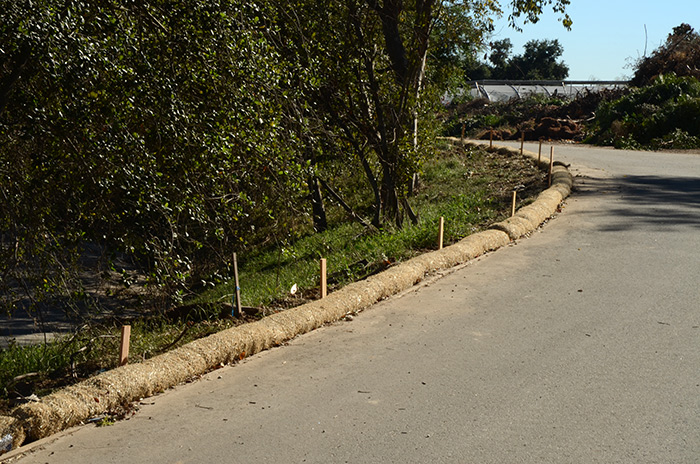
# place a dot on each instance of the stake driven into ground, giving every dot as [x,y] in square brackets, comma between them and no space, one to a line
[579,343]
[469,188]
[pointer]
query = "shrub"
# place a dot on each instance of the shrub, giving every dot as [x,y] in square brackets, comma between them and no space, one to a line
[666,113]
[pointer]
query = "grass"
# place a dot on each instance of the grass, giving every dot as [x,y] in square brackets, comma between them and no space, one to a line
[470,188]
[39,369]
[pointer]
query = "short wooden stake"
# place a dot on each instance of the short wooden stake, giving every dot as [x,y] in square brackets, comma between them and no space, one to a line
[539,155]
[462,139]
[441,232]
[124,348]
[551,164]
[324,282]
[512,209]
[522,142]
[237,312]
[491,138]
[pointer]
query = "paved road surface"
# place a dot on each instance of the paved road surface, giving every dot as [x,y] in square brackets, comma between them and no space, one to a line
[580,344]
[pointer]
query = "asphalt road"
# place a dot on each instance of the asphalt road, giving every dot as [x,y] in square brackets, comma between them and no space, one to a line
[579,344]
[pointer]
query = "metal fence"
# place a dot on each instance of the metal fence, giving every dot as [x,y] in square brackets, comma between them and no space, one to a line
[499,90]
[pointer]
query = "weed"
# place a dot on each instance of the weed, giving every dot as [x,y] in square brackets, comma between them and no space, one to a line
[106,421]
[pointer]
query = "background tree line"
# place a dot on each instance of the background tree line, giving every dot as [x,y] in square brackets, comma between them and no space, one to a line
[169,134]
[539,61]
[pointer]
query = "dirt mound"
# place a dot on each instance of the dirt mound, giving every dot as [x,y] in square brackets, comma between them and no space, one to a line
[556,129]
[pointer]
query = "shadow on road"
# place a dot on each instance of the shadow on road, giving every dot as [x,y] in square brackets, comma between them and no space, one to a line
[646,201]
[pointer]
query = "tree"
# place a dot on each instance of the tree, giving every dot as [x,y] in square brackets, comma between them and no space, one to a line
[174,133]
[377,53]
[456,41]
[538,62]
[364,82]
[500,57]
[407,29]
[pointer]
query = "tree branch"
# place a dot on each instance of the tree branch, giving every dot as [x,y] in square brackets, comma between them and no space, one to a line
[342,203]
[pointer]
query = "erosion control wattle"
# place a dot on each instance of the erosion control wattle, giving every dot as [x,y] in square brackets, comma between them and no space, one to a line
[114,389]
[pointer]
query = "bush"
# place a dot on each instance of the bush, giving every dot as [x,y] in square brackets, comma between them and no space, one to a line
[664,114]
[160,143]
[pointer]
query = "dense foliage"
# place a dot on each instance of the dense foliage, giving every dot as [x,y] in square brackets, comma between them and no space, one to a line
[163,136]
[665,114]
[134,128]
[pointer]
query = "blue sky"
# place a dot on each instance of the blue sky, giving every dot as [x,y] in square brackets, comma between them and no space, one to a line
[607,35]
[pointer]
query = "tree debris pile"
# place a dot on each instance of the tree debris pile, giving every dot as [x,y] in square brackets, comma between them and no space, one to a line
[538,117]
[680,55]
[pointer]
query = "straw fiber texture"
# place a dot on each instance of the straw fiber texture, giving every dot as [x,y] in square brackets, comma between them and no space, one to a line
[11,433]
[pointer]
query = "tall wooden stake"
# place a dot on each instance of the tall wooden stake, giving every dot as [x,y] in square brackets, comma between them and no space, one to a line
[551,164]
[462,139]
[124,348]
[441,232]
[237,312]
[522,142]
[324,282]
[491,138]
[539,155]
[512,209]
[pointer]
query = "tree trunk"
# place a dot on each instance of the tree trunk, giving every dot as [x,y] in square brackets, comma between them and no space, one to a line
[318,210]
[409,68]
[389,195]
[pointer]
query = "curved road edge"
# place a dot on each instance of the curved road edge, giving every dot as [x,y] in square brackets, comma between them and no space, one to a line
[121,386]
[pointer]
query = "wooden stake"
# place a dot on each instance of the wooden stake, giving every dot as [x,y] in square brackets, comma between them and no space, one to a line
[491,139]
[522,142]
[539,155]
[551,164]
[441,232]
[462,139]
[324,282]
[512,209]
[124,348]
[237,304]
